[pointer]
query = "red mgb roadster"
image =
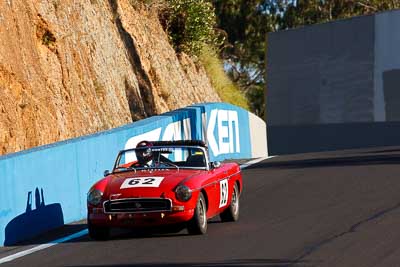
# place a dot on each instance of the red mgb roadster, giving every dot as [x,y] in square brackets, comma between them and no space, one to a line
[164,183]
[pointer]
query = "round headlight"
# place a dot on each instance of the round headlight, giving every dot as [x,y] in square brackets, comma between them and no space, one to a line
[183,193]
[94,197]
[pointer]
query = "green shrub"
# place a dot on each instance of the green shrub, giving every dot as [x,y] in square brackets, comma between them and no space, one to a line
[48,38]
[190,24]
[226,89]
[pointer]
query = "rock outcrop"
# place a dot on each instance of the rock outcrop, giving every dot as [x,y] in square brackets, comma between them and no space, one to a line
[70,68]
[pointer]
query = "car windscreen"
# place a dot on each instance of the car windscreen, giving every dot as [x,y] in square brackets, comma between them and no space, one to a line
[178,157]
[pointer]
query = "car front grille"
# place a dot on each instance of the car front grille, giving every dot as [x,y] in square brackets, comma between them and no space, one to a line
[137,205]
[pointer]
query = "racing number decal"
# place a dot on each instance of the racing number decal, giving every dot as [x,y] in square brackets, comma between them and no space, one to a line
[142,182]
[223,199]
[147,181]
[133,182]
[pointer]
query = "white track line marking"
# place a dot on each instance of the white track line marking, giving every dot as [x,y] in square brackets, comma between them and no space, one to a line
[43,246]
[254,161]
[85,232]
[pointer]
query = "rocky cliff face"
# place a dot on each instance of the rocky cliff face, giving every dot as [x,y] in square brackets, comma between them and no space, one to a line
[70,68]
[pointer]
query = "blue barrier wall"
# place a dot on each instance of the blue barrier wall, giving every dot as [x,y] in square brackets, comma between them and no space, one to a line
[45,187]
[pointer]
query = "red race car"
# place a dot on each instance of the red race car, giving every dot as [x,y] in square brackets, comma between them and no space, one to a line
[164,183]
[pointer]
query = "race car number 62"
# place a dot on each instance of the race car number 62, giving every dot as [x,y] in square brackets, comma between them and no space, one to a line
[142,182]
[138,181]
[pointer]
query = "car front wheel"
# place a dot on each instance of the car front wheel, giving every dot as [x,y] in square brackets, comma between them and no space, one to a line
[198,224]
[231,214]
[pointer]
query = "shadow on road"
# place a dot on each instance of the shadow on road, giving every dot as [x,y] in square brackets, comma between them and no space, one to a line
[359,160]
[62,231]
[229,263]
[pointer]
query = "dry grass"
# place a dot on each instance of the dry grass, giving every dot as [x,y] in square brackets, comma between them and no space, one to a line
[226,89]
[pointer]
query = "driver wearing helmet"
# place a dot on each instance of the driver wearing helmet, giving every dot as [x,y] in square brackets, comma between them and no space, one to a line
[144,154]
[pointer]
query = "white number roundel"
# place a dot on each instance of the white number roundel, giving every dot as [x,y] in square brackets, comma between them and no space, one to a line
[223,199]
[142,182]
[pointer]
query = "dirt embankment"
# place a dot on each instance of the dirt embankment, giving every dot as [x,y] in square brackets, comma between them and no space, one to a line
[70,68]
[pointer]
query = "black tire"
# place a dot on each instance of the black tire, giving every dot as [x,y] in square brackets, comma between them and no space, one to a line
[231,214]
[198,224]
[98,232]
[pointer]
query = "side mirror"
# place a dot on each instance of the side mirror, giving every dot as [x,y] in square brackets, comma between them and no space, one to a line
[106,173]
[216,164]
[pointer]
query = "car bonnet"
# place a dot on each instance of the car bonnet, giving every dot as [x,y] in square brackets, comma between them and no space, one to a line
[146,183]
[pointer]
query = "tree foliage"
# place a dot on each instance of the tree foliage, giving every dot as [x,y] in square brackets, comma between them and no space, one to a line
[299,13]
[191,27]
[246,23]
[190,24]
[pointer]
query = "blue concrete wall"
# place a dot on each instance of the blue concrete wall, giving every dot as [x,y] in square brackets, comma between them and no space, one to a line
[45,187]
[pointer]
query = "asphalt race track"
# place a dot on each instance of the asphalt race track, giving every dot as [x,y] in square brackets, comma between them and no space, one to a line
[324,209]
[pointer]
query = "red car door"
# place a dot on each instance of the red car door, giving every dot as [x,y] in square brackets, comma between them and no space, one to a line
[217,191]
